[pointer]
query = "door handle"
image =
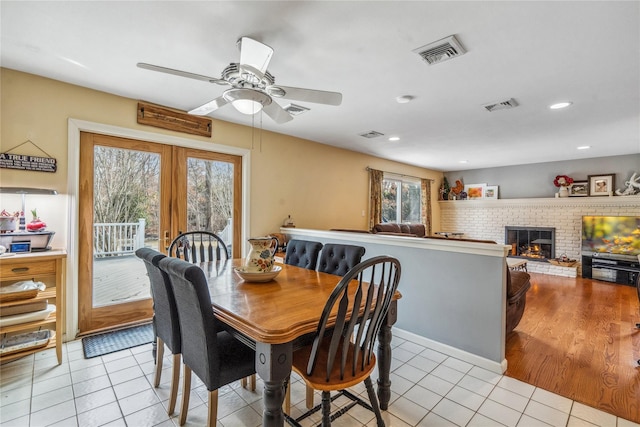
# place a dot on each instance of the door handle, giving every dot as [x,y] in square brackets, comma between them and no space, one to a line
[166,240]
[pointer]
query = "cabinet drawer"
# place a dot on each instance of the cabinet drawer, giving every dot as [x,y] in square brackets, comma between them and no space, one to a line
[26,269]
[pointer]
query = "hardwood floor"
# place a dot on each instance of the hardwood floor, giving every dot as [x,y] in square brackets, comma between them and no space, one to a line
[577,338]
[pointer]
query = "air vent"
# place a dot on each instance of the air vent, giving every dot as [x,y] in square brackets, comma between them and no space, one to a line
[440,51]
[371,134]
[502,105]
[295,110]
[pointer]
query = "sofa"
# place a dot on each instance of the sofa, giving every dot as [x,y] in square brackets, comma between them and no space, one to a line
[518,282]
[390,228]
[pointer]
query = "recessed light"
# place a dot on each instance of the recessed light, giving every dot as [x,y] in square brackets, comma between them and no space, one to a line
[560,105]
[404,99]
[394,138]
[463,161]
[584,147]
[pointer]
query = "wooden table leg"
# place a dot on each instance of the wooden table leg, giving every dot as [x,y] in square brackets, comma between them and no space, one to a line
[273,364]
[384,356]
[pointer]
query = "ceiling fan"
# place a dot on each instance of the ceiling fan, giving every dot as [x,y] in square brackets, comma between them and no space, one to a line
[252,86]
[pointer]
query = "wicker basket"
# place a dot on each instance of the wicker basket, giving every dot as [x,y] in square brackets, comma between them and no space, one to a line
[26,341]
[21,290]
[16,296]
[569,263]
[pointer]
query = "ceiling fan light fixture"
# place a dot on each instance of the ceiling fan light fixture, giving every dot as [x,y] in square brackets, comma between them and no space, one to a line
[247,101]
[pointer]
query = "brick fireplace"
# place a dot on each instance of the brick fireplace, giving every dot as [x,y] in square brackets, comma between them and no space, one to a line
[533,243]
[487,219]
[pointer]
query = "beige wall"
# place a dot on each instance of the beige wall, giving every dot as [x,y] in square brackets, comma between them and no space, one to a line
[320,186]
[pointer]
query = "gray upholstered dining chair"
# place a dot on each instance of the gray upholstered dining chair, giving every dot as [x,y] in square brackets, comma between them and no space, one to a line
[338,259]
[341,354]
[214,355]
[201,246]
[166,326]
[198,246]
[303,253]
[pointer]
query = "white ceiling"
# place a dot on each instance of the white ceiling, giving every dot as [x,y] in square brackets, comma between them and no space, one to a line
[537,52]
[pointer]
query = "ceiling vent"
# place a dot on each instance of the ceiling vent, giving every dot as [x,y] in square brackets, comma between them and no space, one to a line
[371,134]
[295,110]
[502,105]
[440,51]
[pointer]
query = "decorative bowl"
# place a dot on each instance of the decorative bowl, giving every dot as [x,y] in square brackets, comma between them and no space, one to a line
[257,277]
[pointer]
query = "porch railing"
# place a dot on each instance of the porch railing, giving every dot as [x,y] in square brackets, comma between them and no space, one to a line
[114,239]
[227,233]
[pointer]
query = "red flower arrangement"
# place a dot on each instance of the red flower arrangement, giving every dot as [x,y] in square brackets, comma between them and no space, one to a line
[563,181]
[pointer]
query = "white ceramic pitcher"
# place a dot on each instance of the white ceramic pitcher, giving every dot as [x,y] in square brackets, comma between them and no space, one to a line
[260,258]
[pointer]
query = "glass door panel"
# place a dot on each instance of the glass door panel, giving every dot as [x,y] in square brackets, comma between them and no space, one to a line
[210,197]
[212,194]
[123,203]
[126,217]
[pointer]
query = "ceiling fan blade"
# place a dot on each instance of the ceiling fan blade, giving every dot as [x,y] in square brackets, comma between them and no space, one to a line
[210,106]
[307,95]
[277,113]
[181,73]
[255,54]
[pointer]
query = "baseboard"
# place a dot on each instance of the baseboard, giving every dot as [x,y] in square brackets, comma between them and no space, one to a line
[490,365]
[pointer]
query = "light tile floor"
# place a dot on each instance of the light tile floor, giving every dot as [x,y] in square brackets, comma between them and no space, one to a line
[428,389]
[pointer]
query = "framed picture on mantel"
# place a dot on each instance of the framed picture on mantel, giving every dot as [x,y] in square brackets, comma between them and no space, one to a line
[475,191]
[601,185]
[491,192]
[579,189]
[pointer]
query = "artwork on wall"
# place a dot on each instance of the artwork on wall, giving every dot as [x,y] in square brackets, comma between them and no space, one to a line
[475,191]
[491,192]
[601,185]
[579,189]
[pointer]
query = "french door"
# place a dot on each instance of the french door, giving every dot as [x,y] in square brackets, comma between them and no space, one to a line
[141,194]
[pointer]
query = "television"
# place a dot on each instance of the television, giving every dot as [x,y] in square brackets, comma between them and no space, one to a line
[616,236]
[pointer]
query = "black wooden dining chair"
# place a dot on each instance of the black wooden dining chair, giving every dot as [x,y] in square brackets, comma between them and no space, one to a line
[342,355]
[166,326]
[303,253]
[335,259]
[216,357]
[198,246]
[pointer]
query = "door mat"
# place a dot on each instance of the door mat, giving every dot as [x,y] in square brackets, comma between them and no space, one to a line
[109,342]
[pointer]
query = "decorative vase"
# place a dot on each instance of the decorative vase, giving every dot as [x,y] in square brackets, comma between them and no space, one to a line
[563,192]
[260,258]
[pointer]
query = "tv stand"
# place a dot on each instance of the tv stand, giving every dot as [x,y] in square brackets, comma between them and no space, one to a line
[610,268]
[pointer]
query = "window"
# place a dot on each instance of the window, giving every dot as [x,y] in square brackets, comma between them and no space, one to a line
[400,199]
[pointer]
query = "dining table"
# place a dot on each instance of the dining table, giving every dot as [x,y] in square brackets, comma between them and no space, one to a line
[277,317]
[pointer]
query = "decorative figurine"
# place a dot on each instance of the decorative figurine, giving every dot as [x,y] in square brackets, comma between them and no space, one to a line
[458,188]
[633,186]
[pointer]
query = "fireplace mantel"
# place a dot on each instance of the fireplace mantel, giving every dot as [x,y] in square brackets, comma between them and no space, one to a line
[618,201]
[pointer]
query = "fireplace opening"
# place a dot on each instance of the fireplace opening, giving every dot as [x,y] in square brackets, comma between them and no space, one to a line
[534,243]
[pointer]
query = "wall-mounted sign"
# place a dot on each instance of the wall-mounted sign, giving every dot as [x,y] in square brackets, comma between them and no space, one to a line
[27,162]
